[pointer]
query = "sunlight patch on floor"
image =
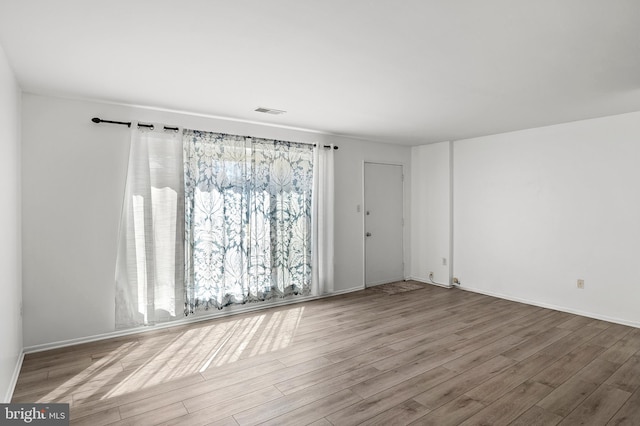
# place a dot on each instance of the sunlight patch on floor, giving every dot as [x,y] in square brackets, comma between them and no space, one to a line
[141,365]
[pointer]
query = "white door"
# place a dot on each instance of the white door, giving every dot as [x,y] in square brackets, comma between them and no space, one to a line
[383,219]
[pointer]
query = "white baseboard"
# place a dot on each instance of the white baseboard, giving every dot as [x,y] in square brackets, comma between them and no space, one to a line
[551,306]
[349,290]
[14,378]
[428,281]
[376,283]
[232,310]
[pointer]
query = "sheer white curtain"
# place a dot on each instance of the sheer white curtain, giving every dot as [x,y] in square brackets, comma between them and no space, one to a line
[150,261]
[322,221]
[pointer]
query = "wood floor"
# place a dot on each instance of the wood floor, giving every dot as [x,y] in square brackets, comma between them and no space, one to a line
[429,356]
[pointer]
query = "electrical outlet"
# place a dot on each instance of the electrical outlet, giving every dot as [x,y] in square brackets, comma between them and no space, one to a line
[580,283]
[431,276]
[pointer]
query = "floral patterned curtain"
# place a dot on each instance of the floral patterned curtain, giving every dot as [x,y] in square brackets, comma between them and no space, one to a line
[247,219]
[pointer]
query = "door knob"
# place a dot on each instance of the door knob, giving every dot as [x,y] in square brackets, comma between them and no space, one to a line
[368,234]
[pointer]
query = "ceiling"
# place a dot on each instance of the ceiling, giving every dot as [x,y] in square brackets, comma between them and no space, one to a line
[399,71]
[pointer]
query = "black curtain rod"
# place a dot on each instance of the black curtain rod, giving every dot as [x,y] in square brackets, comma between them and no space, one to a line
[99,120]
[128,124]
[151,127]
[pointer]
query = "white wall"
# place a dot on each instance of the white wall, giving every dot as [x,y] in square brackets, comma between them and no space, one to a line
[536,210]
[73,181]
[10,247]
[431,213]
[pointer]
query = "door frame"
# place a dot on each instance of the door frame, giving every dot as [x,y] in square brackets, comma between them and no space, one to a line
[364,225]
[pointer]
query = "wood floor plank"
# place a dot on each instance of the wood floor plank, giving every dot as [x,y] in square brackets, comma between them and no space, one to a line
[221,396]
[546,320]
[599,407]
[387,399]
[452,413]
[313,411]
[571,342]
[563,399]
[424,337]
[629,414]
[28,378]
[511,406]
[337,369]
[493,330]
[458,385]
[194,398]
[393,377]
[623,349]
[199,418]
[373,344]
[340,382]
[565,367]
[511,378]
[627,377]
[483,354]
[598,371]
[154,417]
[602,325]
[232,374]
[612,336]
[104,401]
[286,403]
[401,414]
[418,352]
[99,418]
[575,323]
[496,321]
[209,417]
[321,422]
[536,343]
[536,416]
[429,356]
[218,410]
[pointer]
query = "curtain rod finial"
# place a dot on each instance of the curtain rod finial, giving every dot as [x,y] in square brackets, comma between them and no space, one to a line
[96,120]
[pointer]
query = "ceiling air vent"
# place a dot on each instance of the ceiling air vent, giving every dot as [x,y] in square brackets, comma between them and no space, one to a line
[270,111]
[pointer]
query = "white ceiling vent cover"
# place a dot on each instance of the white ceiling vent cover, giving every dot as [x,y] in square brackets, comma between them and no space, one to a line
[270,111]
